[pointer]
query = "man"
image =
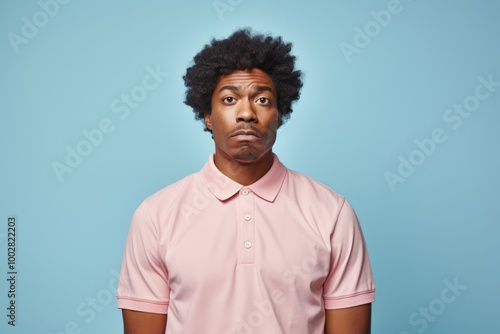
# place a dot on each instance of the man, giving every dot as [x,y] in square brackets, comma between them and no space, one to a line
[245,245]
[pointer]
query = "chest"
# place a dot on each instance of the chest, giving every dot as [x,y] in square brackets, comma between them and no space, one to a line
[248,242]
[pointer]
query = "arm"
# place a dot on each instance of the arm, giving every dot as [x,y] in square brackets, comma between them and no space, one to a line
[351,320]
[135,322]
[349,289]
[143,291]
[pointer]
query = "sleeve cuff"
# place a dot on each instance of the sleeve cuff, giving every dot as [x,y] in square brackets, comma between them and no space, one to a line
[349,301]
[143,306]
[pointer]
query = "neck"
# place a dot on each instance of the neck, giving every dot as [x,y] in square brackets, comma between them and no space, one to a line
[244,173]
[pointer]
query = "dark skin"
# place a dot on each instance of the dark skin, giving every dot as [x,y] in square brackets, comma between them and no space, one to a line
[143,323]
[353,320]
[244,120]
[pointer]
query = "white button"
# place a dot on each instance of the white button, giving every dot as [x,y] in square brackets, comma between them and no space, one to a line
[245,191]
[247,216]
[248,244]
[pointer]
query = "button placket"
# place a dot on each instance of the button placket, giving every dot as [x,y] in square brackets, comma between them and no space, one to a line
[246,226]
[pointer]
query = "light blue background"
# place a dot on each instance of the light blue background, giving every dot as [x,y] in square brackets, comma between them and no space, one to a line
[353,121]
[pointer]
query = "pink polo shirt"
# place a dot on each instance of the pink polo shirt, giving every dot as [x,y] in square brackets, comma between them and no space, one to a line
[222,258]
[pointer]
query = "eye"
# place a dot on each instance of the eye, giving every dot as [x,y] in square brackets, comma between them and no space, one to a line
[228,99]
[263,100]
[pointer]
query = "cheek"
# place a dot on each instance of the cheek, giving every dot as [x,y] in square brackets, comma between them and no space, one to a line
[219,127]
[214,118]
[274,124]
[272,131]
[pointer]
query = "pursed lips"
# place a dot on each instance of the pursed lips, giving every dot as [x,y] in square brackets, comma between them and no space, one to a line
[245,133]
[246,136]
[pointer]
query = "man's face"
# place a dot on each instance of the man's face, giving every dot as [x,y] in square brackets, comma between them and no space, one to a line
[244,116]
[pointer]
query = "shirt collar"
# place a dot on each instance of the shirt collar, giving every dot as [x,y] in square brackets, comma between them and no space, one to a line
[267,187]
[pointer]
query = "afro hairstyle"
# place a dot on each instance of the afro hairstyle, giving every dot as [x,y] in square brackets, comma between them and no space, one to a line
[240,51]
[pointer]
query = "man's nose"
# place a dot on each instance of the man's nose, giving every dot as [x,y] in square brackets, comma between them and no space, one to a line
[246,111]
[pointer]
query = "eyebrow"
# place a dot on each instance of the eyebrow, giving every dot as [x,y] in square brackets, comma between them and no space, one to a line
[257,88]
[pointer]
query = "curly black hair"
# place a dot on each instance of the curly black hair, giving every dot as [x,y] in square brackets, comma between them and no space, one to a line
[240,51]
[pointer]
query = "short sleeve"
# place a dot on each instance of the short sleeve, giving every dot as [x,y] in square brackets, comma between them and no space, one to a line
[143,284]
[350,280]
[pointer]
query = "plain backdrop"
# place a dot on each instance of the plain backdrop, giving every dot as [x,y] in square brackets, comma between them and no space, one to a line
[395,115]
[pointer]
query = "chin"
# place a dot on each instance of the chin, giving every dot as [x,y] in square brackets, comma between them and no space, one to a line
[246,156]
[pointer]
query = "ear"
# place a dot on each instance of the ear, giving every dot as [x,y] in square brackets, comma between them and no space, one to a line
[280,119]
[208,121]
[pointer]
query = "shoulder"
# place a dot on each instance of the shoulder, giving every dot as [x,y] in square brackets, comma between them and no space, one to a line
[159,211]
[317,201]
[171,193]
[311,188]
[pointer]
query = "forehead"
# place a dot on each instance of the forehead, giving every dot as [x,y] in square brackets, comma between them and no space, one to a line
[245,79]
